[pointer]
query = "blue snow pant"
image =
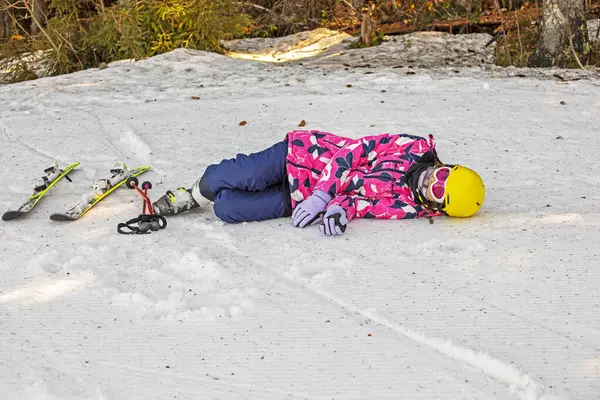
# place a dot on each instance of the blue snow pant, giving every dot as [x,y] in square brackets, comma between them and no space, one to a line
[250,187]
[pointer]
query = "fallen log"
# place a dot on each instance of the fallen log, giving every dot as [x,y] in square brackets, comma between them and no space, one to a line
[499,20]
[493,20]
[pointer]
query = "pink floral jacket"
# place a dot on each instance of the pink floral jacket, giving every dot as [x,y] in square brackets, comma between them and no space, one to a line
[365,176]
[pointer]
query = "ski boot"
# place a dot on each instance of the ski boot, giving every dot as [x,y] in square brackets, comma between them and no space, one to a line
[175,202]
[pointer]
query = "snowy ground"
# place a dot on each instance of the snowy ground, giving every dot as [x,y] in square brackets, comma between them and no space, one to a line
[502,306]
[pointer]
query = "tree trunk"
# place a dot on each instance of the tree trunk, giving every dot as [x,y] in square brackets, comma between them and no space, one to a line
[40,12]
[6,23]
[564,34]
[366,29]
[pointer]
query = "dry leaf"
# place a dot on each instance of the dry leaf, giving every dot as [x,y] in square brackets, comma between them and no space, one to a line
[243,123]
[302,123]
[195,97]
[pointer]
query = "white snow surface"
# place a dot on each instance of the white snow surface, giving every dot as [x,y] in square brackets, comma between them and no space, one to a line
[505,305]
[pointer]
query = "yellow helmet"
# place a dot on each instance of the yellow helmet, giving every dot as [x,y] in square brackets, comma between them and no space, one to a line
[465,192]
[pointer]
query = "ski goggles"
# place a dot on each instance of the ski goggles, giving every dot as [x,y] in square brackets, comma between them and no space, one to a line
[437,188]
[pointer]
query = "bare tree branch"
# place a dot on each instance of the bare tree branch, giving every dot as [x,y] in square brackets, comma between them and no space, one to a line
[40,27]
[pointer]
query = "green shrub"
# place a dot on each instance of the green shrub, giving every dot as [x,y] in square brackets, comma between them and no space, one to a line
[82,35]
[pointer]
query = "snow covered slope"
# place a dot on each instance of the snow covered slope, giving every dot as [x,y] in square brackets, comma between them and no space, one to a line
[502,306]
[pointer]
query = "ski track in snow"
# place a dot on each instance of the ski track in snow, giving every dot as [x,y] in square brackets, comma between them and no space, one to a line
[502,306]
[131,145]
[498,369]
[152,374]
[23,142]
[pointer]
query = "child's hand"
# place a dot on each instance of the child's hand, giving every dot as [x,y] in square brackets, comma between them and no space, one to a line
[309,211]
[334,221]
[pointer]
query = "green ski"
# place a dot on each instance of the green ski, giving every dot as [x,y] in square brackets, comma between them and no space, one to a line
[41,187]
[100,189]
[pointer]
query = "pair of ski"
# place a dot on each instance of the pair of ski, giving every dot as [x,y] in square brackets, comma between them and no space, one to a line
[120,173]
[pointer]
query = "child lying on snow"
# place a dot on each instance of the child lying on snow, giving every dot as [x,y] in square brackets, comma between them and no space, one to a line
[320,178]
